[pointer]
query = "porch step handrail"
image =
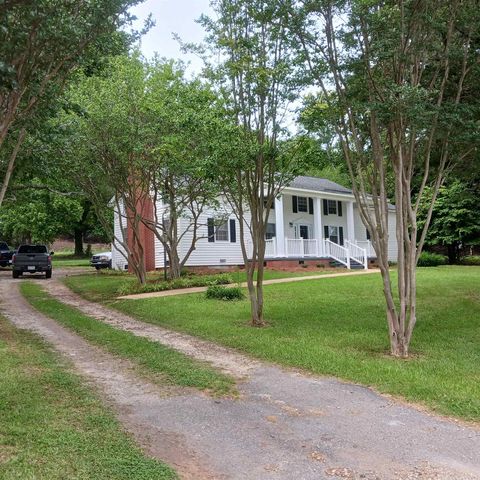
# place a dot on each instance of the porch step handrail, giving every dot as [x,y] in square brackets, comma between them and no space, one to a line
[337,252]
[357,253]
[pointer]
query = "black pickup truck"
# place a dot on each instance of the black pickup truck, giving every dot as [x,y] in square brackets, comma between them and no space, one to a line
[6,254]
[32,259]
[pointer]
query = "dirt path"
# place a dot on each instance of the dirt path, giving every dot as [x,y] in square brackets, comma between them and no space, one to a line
[184,291]
[285,425]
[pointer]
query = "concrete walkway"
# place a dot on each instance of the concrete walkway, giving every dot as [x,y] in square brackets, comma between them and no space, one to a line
[184,291]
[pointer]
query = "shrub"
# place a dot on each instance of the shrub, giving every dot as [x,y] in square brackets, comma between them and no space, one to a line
[223,293]
[182,282]
[471,260]
[428,259]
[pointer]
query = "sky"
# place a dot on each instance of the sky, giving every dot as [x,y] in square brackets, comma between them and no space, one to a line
[172,16]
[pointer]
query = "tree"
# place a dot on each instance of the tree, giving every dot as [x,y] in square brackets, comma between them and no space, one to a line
[256,75]
[38,215]
[41,43]
[455,217]
[393,75]
[183,115]
[141,132]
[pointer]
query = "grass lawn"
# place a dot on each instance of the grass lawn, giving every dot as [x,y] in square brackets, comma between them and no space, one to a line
[68,259]
[154,361]
[107,284]
[337,326]
[54,427]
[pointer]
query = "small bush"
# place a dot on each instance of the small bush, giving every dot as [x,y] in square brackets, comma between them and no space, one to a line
[428,259]
[471,260]
[182,282]
[222,293]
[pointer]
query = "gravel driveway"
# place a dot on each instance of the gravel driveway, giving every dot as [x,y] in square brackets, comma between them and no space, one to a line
[285,425]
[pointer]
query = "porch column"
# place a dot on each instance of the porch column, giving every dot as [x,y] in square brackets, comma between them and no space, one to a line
[279,226]
[317,224]
[350,222]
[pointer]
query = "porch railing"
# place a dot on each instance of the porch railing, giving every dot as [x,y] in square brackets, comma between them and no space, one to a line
[367,245]
[294,247]
[300,247]
[337,252]
[271,247]
[357,253]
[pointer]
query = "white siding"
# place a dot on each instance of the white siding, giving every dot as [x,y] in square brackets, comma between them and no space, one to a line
[304,218]
[392,237]
[215,253]
[361,233]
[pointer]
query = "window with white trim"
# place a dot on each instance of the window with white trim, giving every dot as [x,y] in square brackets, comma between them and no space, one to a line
[332,207]
[270,232]
[302,204]
[333,234]
[221,234]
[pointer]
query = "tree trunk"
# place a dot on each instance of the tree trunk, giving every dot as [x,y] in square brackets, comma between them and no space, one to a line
[11,165]
[78,234]
[175,268]
[452,251]
[256,308]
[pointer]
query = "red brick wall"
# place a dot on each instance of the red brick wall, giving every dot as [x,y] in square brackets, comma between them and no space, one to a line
[145,236]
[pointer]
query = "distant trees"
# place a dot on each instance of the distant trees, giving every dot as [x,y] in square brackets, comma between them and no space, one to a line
[41,43]
[393,76]
[455,218]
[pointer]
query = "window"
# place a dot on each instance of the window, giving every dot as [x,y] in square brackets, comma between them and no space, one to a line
[333,234]
[304,232]
[272,207]
[270,233]
[332,207]
[221,234]
[33,249]
[302,204]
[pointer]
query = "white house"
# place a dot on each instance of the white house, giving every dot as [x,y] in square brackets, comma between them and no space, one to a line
[313,219]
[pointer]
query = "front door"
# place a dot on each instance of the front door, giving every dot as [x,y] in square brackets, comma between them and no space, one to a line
[304,232]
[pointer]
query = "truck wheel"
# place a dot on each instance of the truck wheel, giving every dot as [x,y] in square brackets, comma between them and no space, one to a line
[15,274]
[48,274]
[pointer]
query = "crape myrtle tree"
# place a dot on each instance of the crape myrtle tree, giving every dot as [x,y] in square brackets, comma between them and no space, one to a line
[250,60]
[182,115]
[41,43]
[393,74]
[141,134]
[107,150]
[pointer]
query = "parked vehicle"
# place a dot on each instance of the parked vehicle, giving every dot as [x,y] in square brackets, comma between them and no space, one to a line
[6,254]
[32,259]
[101,260]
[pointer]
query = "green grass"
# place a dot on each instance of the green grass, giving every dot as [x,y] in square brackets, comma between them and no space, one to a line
[155,361]
[337,326]
[68,259]
[107,285]
[53,427]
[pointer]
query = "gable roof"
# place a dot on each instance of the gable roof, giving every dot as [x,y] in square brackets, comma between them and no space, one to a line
[318,185]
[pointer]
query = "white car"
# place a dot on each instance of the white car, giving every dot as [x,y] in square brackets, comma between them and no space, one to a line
[101,260]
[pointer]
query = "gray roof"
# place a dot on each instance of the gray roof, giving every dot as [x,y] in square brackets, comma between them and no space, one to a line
[318,185]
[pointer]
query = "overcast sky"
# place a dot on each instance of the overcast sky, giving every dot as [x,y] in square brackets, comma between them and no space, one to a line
[172,16]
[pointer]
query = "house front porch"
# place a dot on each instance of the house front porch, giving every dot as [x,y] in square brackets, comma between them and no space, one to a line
[351,254]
